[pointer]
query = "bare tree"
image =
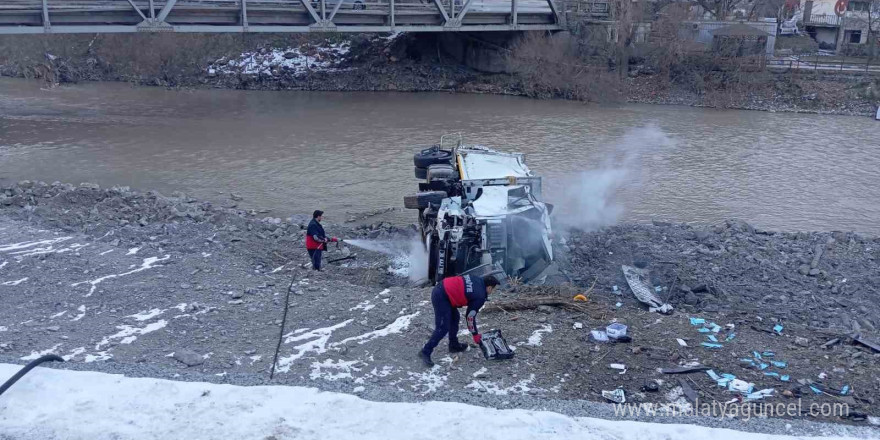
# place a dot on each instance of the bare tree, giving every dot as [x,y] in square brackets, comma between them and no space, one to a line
[628,18]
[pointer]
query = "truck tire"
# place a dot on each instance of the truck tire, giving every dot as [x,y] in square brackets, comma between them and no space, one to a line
[421,173]
[423,199]
[440,171]
[431,156]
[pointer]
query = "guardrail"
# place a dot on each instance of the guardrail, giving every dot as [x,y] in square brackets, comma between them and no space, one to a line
[825,63]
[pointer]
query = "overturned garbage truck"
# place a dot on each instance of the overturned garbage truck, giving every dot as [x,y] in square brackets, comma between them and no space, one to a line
[480,212]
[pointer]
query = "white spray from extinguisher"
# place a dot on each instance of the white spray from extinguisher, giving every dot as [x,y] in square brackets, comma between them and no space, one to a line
[408,259]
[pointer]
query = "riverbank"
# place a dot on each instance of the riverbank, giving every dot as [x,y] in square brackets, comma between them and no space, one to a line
[399,62]
[172,287]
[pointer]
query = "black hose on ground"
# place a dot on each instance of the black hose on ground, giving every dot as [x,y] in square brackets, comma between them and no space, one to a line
[30,366]
[283,325]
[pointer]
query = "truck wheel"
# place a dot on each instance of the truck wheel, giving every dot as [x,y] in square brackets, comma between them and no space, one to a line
[431,156]
[424,199]
[421,173]
[440,172]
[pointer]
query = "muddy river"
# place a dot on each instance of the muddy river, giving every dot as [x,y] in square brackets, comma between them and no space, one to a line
[352,152]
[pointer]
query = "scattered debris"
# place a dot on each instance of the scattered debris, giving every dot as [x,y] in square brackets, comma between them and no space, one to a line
[778,329]
[859,339]
[637,279]
[615,330]
[598,336]
[616,396]
[580,297]
[684,370]
[681,342]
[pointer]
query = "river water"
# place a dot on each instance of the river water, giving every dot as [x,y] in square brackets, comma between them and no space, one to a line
[345,153]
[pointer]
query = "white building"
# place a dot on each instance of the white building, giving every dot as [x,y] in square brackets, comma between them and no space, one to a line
[832,31]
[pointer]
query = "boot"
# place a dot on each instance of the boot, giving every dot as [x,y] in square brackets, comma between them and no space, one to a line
[426,359]
[457,347]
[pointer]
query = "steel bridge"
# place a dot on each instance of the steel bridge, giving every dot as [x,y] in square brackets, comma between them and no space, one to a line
[121,16]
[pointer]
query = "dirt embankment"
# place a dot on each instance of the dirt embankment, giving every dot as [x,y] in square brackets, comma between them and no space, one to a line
[168,286]
[402,62]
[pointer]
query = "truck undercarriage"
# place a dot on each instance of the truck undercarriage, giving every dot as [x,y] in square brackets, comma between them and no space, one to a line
[480,212]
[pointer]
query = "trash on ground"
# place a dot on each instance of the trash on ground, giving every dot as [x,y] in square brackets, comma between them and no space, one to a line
[615,289]
[618,304]
[740,386]
[616,396]
[684,370]
[697,321]
[681,342]
[845,390]
[779,364]
[815,390]
[711,345]
[620,367]
[859,339]
[778,328]
[580,297]
[577,326]
[712,338]
[704,330]
[713,375]
[615,330]
[598,336]
[637,279]
[785,378]
[730,337]
[651,386]
[760,394]
[688,391]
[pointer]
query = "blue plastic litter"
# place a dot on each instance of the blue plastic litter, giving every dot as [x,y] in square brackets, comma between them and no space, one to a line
[704,330]
[757,355]
[845,390]
[730,337]
[697,321]
[748,361]
[712,338]
[785,378]
[715,327]
[713,375]
[728,376]
[779,364]
[771,374]
[763,365]
[711,345]
[778,328]
[815,390]
[768,354]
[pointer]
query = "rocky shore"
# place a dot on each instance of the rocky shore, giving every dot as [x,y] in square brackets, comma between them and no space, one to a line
[168,286]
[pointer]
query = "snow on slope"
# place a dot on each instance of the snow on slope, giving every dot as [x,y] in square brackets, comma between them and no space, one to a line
[48,404]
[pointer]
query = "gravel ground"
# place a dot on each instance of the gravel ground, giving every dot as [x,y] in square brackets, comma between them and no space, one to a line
[170,287]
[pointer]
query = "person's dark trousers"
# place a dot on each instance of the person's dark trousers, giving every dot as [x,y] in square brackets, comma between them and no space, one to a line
[315,255]
[446,320]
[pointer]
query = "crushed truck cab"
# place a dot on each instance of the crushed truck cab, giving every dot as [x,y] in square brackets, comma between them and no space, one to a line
[480,212]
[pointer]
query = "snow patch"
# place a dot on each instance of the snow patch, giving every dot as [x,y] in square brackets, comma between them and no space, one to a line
[128,334]
[14,283]
[295,60]
[58,315]
[429,381]
[400,324]
[82,313]
[74,353]
[145,315]
[37,354]
[521,387]
[133,251]
[148,263]
[333,370]
[537,335]
[365,306]
[316,343]
[30,244]
[91,405]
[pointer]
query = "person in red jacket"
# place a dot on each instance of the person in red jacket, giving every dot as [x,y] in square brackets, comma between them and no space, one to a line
[316,239]
[447,297]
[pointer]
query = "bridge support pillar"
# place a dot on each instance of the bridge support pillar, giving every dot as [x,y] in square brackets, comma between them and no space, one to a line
[483,51]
